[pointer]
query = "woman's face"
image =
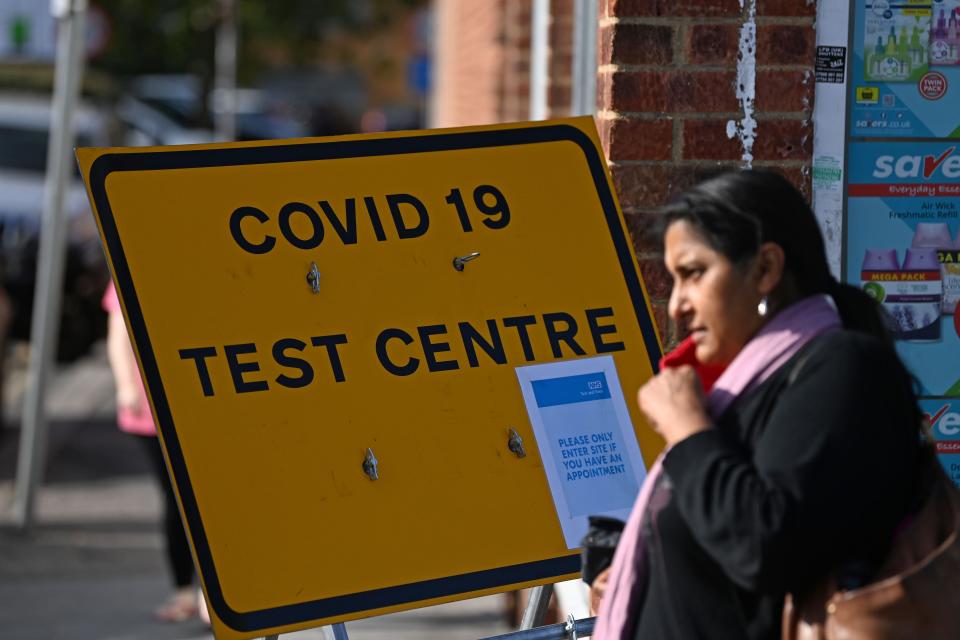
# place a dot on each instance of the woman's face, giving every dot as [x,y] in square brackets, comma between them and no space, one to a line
[716,299]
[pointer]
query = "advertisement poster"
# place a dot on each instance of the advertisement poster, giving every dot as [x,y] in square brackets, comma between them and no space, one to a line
[905,69]
[583,430]
[903,248]
[943,415]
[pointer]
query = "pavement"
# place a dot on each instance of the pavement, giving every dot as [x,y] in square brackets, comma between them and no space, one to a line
[91,568]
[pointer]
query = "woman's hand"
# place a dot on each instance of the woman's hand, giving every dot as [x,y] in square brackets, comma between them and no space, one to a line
[673,402]
[597,589]
[128,398]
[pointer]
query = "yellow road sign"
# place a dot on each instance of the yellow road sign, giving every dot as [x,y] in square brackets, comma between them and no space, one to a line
[302,308]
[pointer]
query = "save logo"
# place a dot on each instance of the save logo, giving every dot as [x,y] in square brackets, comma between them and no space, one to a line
[944,423]
[915,166]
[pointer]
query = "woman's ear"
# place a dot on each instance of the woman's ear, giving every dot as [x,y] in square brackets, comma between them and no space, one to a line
[769,267]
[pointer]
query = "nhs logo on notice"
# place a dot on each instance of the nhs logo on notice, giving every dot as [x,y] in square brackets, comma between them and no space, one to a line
[595,385]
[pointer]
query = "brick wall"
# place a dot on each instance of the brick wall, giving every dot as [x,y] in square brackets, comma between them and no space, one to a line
[667,91]
[482,58]
[469,59]
[560,43]
[516,61]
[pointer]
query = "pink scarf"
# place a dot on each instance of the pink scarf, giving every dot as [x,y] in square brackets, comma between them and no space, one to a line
[778,341]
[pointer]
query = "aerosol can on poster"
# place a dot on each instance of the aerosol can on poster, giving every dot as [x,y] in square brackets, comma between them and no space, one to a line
[936,235]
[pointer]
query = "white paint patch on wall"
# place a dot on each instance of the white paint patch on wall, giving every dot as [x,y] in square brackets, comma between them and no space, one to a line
[746,127]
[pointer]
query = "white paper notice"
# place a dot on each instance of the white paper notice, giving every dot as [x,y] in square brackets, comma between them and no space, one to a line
[586,440]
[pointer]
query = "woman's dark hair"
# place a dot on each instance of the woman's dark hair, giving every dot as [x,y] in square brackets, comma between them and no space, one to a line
[737,211]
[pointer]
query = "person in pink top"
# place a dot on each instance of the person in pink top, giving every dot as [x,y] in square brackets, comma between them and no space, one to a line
[134,417]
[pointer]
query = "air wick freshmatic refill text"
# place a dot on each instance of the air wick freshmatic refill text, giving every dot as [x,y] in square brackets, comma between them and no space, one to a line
[902,247]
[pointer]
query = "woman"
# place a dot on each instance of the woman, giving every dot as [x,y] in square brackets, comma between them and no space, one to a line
[134,417]
[803,459]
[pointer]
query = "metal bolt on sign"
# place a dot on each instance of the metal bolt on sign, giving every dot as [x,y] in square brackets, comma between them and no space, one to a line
[461,261]
[515,444]
[370,465]
[313,278]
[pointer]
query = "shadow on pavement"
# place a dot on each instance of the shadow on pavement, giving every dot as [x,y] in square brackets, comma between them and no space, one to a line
[79,451]
[92,566]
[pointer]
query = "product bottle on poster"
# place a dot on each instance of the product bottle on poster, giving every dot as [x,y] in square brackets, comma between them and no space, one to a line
[875,59]
[945,35]
[878,273]
[903,52]
[938,39]
[902,33]
[917,51]
[936,235]
[917,296]
[953,34]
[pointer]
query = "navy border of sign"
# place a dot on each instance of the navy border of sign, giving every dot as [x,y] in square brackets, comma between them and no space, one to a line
[247,621]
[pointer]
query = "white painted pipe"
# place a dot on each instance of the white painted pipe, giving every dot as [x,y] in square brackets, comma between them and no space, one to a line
[539,58]
[225,84]
[583,97]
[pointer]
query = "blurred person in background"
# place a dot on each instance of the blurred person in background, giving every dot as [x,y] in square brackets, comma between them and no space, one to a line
[134,417]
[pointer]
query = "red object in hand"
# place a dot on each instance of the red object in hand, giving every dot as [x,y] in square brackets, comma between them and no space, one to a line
[686,354]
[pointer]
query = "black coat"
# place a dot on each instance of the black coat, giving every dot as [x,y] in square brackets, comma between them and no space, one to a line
[798,478]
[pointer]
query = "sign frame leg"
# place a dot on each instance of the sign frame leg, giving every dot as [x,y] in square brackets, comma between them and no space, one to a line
[536,609]
[339,632]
